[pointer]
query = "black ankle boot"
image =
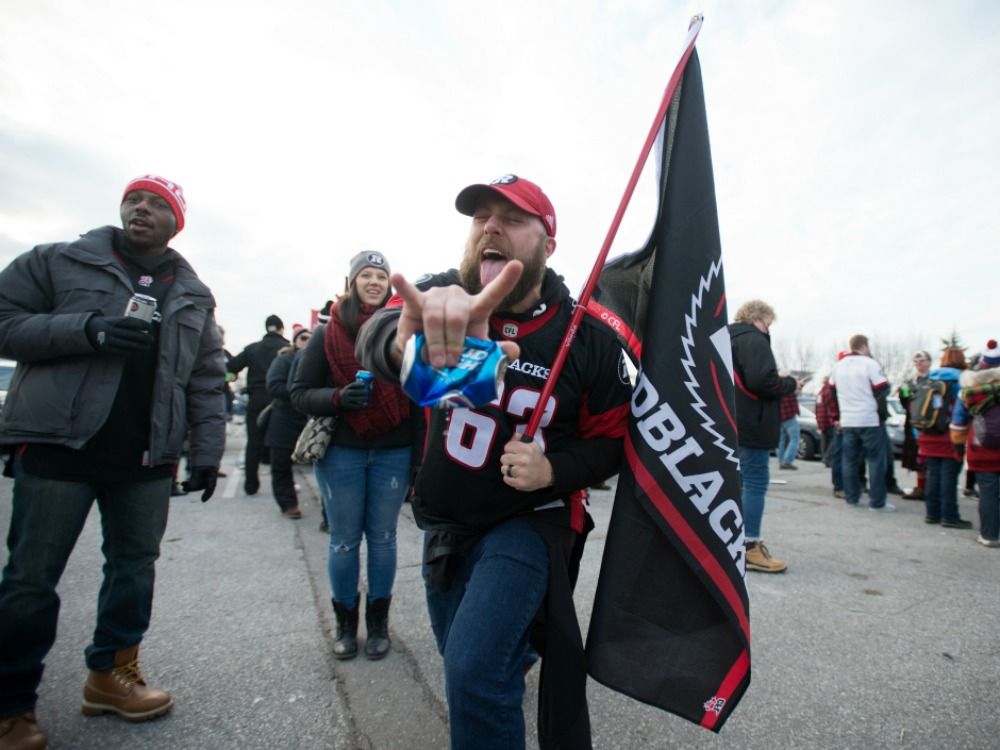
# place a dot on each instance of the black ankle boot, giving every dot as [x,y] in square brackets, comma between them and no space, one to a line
[346,644]
[377,621]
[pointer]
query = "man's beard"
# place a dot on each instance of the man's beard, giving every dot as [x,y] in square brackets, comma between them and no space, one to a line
[531,276]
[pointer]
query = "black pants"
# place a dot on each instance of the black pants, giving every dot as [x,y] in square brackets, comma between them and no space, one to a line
[282,479]
[255,445]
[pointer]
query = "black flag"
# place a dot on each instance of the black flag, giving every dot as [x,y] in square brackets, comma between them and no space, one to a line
[670,624]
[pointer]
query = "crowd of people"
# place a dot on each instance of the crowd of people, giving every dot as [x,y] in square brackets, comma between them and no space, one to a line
[105,402]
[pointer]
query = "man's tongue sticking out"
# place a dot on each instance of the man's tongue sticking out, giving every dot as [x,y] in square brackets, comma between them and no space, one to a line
[490,268]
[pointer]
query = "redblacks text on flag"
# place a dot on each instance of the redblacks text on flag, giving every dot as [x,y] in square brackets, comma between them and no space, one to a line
[670,624]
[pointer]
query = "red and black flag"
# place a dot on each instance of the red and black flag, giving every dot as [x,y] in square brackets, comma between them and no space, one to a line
[670,624]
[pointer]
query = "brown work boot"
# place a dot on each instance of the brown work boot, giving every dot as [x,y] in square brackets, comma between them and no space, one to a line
[124,691]
[22,733]
[759,559]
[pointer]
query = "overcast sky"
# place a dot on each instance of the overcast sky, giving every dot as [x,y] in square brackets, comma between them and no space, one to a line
[855,144]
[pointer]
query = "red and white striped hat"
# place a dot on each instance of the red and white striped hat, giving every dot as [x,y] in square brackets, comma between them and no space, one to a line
[171,192]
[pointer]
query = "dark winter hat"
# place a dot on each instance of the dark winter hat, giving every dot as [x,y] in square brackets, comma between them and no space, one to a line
[273,322]
[523,193]
[171,192]
[991,354]
[366,259]
[323,316]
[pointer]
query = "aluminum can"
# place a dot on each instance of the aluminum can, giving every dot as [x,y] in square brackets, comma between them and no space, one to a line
[365,377]
[474,381]
[141,306]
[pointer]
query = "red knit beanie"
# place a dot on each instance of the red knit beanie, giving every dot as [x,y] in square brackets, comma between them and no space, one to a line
[171,192]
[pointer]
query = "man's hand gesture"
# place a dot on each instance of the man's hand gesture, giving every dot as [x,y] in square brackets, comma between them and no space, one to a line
[446,315]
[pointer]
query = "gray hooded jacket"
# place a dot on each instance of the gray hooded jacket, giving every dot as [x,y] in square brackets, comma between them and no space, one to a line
[62,390]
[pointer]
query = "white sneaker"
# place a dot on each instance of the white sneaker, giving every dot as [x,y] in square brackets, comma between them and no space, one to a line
[988,542]
[887,508]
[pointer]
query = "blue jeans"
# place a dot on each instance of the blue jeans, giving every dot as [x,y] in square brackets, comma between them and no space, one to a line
[47,517]
[941,492]
[363,491]
[481,626]
[754,474]
[788,440]
[837,460]
[861,443]
[989,504]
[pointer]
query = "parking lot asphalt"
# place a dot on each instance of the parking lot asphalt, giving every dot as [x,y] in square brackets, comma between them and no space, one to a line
[881,634]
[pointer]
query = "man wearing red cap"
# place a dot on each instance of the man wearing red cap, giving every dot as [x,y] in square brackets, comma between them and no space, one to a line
[504,519]
[99,407]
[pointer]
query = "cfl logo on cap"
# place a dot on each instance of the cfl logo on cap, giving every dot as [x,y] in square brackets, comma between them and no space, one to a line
[375,259]
[507,179]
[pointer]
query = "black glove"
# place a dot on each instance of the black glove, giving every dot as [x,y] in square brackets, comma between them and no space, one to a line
[202,478]
[354,395]
[120,335]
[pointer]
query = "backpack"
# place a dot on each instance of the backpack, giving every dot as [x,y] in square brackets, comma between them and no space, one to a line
[931,407]
[982,403]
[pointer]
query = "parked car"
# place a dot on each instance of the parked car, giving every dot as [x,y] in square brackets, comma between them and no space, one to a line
[809,438]
[895,425]
[6,373]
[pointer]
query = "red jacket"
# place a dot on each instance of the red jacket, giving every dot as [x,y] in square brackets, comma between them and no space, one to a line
[932,445]
[827,412]
[788,407]
[979,458]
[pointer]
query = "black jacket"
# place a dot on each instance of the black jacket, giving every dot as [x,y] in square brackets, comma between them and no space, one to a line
[758,387]
[286,421]
[257,357]
[312,392]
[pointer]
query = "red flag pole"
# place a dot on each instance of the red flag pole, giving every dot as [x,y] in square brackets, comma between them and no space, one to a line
[574,324]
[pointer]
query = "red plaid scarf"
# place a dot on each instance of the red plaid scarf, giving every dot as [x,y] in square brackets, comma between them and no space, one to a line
[388,406]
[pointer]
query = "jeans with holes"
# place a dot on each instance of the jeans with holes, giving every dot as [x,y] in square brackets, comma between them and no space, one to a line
[941,492]
[47,516]
[989,504]
[481,627]
[363,491]
[754,475]
[859,444]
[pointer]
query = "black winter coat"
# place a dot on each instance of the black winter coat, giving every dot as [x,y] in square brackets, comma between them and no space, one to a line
[758,387]
[257,357]
[286,421]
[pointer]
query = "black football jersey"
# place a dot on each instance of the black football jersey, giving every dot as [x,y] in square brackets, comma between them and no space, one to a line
[460,486]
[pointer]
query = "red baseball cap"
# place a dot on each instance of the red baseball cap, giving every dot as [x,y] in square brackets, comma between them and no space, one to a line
[171,192]
[523,193]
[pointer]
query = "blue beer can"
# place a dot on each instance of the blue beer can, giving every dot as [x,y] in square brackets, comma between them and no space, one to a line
[365,377]
[475,380]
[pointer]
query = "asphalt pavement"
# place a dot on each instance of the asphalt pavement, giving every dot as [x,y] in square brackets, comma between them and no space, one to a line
[881,634]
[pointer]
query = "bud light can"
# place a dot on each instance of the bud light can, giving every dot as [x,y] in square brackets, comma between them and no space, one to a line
[141,306]
[474,381]
[363,376]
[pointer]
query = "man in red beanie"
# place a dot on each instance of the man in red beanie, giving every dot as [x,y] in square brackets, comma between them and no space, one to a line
[92,414]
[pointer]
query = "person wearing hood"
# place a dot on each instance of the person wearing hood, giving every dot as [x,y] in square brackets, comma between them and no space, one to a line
[110,332]
[759,390]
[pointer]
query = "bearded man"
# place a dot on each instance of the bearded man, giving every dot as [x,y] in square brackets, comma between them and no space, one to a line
[504,519]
